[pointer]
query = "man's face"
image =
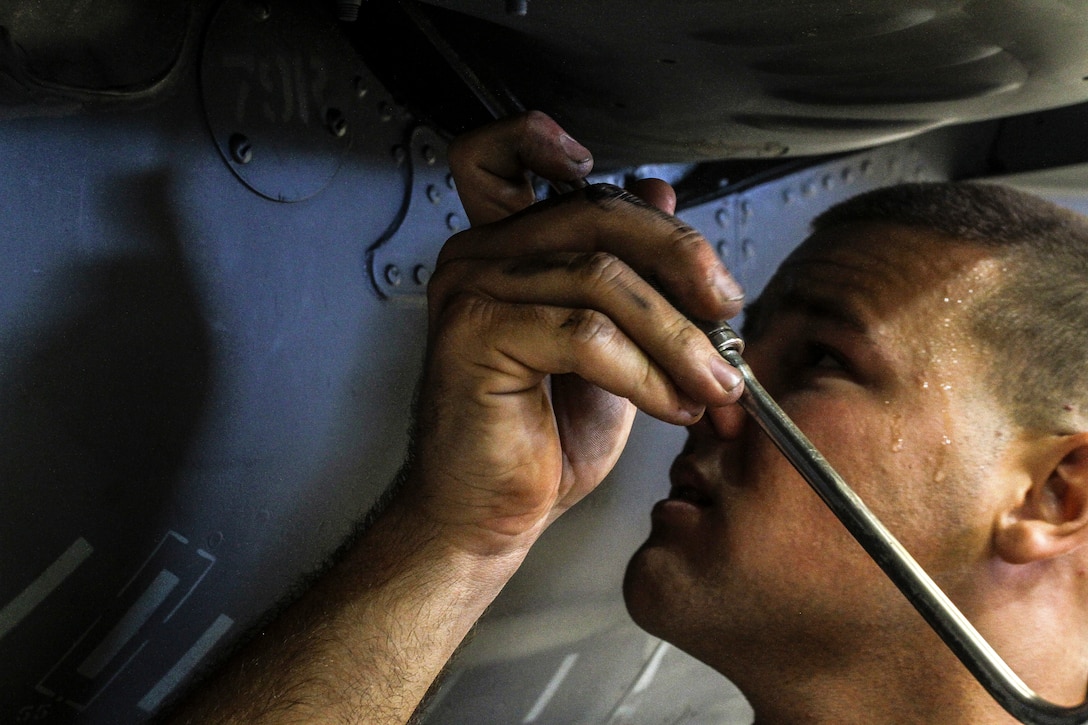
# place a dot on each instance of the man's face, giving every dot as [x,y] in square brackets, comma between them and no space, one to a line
[862,338]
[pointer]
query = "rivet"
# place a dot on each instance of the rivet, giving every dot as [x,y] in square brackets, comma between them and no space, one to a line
[827,182]
[336,123]
[385,111]
[429,155]
[433,194]
[360,85]
[721,217]
[392,275]
[787,196]
[261,10]
[421,274]
[808,189]
[453,222]
[451,182]
[866,167]
[746,209]
[748,249]
[848,175]
[241,150]
[400,154]
[723,248]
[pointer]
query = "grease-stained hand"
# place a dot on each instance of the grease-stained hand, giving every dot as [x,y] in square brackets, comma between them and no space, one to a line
[545,335]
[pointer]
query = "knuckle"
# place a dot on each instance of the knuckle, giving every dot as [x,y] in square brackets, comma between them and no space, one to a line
[685,336]
[601,268]
[466,314]
[686,243]
[590,328]
[454,246]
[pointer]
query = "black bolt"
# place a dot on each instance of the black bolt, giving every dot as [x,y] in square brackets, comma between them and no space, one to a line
[262,10]
[336,123]
[361,87]
[241,150]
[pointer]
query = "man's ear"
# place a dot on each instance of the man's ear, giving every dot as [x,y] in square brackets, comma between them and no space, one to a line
[1052,517]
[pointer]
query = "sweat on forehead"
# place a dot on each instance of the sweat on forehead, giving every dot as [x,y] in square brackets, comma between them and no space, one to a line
[1035,319]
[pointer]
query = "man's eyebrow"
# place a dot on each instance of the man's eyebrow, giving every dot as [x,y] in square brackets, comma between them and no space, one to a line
[823,306]
[796,298]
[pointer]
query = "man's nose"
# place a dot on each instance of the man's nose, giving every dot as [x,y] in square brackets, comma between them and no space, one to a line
[727,422]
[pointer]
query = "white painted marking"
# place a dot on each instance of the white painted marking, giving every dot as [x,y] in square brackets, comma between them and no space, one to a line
[169,535]
[650,670]
[181,669]
[127,627]
[27,600]
[551,689]
[211,562]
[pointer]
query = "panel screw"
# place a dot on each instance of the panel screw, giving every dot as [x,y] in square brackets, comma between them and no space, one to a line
[262,10]
[241,150]
[392,275]
[421,274]
[453,222]
[336,123]
[721,217]
[748,249]
[360,86]
[433,194]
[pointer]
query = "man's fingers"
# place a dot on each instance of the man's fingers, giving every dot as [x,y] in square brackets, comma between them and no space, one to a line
[600,282]
[655,192]
[491,164]
[518,344]
[608,219]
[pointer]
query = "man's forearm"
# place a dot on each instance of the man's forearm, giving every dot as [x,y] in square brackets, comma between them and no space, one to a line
[366,642]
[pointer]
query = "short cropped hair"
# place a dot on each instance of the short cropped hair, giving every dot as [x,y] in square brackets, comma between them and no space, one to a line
[1035,322]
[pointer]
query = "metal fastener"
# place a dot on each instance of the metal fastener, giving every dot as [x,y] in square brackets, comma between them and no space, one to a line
[392,275]
[453,222]
[361,87]
[336,123]
[385,112]
[262,10]
[429,155]
[721,217]
[400,154]
[241,150]
[421,274]
[433,194]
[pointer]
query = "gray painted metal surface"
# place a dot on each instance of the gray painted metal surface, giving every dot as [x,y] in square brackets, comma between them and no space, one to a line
[204,385]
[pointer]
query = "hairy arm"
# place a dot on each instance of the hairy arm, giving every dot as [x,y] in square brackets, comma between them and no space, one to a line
[366,642]
[544,336]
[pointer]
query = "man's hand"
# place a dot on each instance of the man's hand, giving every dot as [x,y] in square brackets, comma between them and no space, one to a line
[545,335]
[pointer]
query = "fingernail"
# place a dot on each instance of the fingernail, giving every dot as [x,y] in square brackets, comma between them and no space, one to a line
[726,375]
[575,151]
[729,292]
